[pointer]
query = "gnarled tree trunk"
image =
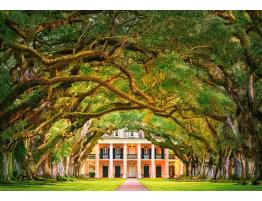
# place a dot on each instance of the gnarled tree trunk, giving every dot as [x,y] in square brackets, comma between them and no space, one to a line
[7,166]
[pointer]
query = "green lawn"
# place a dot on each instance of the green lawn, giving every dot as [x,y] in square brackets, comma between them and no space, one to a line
[113,184]
[172,185]
[77,185]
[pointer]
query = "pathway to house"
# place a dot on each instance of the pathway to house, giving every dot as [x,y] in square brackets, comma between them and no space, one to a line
[132,185]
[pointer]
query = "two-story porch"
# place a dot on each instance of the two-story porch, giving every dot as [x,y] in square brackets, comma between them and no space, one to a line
[131,160]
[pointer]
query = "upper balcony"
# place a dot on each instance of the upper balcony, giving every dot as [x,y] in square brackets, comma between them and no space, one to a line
[131,156]
[146,153]
[106,156]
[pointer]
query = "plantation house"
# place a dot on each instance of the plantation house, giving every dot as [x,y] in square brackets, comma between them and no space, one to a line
[128,154]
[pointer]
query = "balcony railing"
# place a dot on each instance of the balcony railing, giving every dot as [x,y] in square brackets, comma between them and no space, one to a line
[159,156]
[131,156]
[146,156]
[104,156]
[118,156]
[91,156]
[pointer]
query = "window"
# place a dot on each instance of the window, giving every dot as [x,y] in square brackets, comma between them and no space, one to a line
[105,151]
[132,134]
[146,151]
[117,151]
[158,151]
[91,166]
[116,133]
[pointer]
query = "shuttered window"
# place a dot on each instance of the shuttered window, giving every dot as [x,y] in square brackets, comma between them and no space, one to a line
[158,151]
[118,151]
[105,151]
[146,151]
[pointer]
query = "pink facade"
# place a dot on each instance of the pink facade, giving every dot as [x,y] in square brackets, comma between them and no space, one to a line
[134,160]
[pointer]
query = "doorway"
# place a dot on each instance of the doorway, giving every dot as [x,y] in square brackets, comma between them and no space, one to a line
[132,170]
[117,171]
[158,171]
[146,171]
[105,171]
[172,170]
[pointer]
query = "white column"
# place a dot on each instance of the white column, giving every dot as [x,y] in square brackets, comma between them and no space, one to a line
[166,163]
[111,161]
[138,161]
[153,164]
[125,161]
[97,161]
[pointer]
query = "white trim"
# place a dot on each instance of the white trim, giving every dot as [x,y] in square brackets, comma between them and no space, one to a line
[125,161]
[153,162]
[139,161]
[166,163]
[111,172]
[97,162]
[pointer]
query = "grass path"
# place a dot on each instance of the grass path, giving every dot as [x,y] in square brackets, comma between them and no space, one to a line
[77,185]
[172,185]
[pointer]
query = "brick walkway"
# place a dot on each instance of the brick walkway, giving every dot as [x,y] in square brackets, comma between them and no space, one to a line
[131,185]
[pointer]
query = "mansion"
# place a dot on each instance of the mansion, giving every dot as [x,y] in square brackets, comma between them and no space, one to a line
[128,154]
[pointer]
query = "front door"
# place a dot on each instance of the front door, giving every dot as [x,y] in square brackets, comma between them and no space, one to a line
[132,170]
[105,171]
[158,171]
[117,171]
[146,171]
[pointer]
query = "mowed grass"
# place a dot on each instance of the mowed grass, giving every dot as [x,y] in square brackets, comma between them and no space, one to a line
[76,185]
[113,184]
[173,185]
